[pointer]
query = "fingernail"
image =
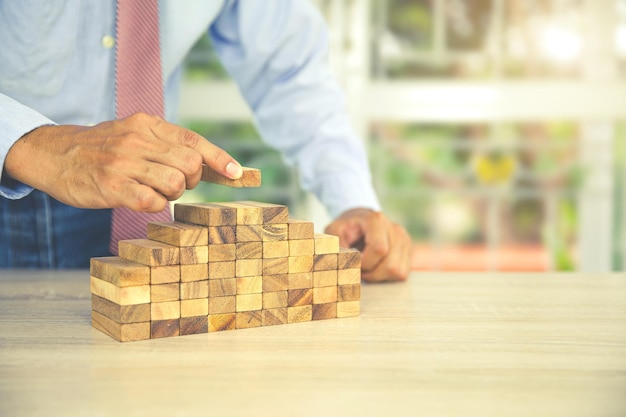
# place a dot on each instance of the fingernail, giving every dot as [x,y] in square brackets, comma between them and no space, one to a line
[234,170]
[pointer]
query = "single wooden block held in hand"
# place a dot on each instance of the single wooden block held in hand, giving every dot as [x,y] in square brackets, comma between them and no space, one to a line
[251,177]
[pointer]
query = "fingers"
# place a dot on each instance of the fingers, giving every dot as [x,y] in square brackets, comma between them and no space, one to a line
[396,265]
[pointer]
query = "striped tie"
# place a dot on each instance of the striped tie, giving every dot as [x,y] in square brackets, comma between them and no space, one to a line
[139,87]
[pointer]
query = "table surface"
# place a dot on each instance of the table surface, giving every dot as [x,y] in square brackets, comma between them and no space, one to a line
[437,345]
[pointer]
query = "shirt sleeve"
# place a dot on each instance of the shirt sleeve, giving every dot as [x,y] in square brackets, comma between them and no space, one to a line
[16,120]
[277,53]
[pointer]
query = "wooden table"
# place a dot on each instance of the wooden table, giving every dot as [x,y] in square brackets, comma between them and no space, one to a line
[438,345]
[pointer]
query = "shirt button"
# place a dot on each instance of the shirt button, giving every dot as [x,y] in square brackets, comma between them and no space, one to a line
[108,42]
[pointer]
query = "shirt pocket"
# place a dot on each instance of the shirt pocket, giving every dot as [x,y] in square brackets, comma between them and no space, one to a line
[38,44]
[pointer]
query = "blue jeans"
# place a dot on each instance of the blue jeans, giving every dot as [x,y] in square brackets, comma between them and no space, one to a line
[37,231]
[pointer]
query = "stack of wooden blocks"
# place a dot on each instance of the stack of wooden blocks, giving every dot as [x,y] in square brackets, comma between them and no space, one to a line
[223,266]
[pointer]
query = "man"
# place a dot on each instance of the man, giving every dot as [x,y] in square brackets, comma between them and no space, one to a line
[62,152]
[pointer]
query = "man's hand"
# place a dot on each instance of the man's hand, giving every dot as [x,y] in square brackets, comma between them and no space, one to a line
[139,162]
[385,246]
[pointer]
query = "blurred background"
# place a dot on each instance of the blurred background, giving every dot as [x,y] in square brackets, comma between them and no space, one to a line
[495,128]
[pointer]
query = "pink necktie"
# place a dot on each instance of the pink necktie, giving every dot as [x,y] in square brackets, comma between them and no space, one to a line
[139,87]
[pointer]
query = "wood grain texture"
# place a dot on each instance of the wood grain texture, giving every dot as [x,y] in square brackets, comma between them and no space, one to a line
[274,232]
[248,267]
[135,313]
[148,252]
[246,214]
[325,243]
[249,233]
[348,308]
[122,332]
[349,276]
[274,316]
[249,302]
[300,280]
[221,322]
[178,233]
[222,287]
[348,258]
[299,314]
[194,272]
[164,328]
[300,229]
[304,247]
[324,311]
[275,266]
[221,305]
[205,214]
[351,292]
[272,213]
[300,297]
[275,299]
[279,282]
[194,255]
[299,264]
[164,274]
[251,177]
[165,292]
[219,270]
[194,289]
[277,249]
[119,271]
[165,311]
[194,325]
[324,295]
[138,294]
[221,253]
[249,250]
[325,262]
[248,319]
[222,234]
[192,308]
[325,278]
[250,285]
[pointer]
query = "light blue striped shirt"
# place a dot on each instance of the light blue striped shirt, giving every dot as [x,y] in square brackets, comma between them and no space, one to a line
[57,66]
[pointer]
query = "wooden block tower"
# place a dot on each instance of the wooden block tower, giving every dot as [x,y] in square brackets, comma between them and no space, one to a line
[223,266]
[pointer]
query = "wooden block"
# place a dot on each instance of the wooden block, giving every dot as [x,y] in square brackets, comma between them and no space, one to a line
[272,213]
[251,177]
[248,267]
[205,214]
[349,276]
[348,258]
[250,285]
[299,314]
[300,297]
[324,311]
[148,252]
[274,232]
[222,287]
[325,278]
[178,234]
[248,233]
[248,319]
[246,214]
[119,271]
[323,295]
[300,229]
[165,311]
[326,244]
[122,332]
[275,316]
[351,292]
[194,325]
[275,299]
[194,255]
[221,305]
[249,250]
[164,274]
[194,289]
[164,328]
[278,282]
[193,308]
[138,294]
[299,264]
[275,266]
[325,262]
[277,249]
[219,270]
[222,234]
[136,313]
[220,322]
[165,292]
[348,308]
[305,247]
[249,302]
[300,280]
[221,253]
[194,272]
